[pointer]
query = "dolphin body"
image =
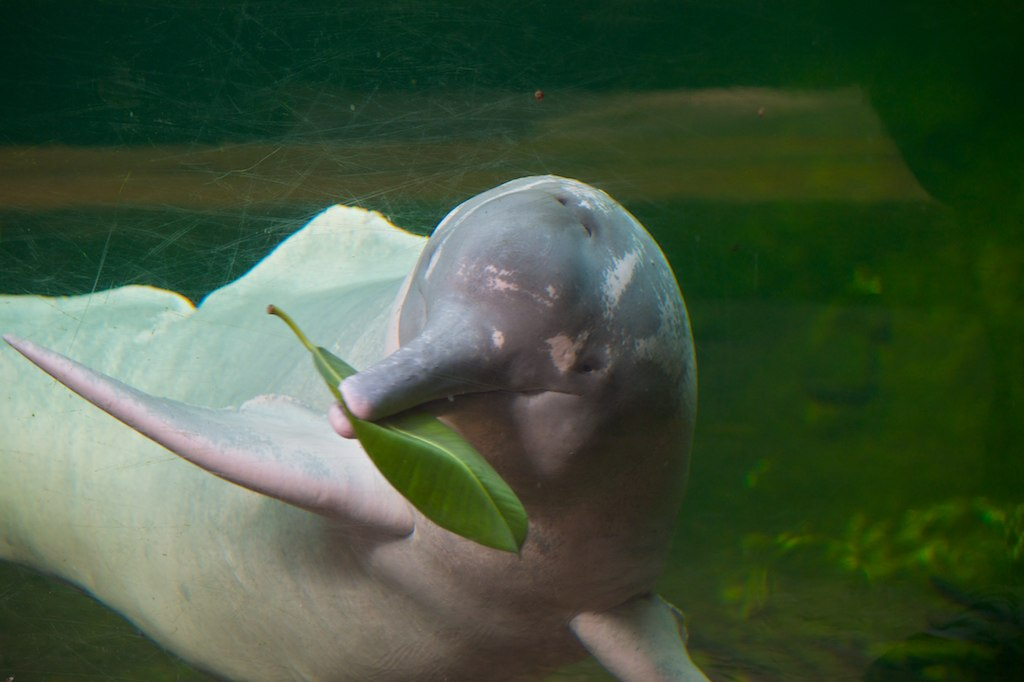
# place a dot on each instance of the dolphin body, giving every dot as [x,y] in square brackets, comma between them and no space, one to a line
[540,320]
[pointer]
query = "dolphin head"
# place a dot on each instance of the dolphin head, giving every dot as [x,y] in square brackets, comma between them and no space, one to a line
[541,311]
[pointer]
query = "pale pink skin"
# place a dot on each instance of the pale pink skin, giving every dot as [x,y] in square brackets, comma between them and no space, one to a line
[339,421]
[571,371]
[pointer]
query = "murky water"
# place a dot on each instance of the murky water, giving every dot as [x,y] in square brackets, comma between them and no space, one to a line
[839,193]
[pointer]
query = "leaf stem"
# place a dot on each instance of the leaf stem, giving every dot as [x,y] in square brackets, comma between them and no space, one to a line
[274,310]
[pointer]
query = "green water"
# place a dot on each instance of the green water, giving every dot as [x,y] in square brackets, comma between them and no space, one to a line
[838,187]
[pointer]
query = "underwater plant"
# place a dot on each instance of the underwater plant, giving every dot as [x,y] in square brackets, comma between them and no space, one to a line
[983,641]
[963,541]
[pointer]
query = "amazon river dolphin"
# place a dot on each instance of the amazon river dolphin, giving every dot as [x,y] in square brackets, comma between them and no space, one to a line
[540,320]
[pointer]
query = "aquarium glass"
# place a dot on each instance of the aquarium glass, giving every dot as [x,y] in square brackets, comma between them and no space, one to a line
[838,187]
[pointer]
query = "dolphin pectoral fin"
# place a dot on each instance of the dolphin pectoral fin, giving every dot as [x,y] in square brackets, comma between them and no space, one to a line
[270,445]
[642,640]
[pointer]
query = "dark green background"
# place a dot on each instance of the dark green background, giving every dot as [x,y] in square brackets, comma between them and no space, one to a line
[862,360]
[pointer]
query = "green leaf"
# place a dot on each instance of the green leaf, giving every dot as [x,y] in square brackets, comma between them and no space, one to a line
[435,468]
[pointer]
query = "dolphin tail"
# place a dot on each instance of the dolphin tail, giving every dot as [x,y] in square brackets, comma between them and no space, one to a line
[270,445]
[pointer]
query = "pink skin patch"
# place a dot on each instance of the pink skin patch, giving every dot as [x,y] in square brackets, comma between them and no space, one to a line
[339,422]
[359,407]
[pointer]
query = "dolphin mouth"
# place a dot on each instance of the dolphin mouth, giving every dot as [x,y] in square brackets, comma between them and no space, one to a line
[366,409]
[362,409]
[511,391]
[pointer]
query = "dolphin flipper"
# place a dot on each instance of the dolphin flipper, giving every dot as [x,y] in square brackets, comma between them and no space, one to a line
[643,640]
[270,445]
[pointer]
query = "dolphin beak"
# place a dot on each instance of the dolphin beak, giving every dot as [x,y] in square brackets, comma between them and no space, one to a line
[435,365]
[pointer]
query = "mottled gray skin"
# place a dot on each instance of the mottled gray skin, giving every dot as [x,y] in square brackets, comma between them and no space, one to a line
[544,324]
